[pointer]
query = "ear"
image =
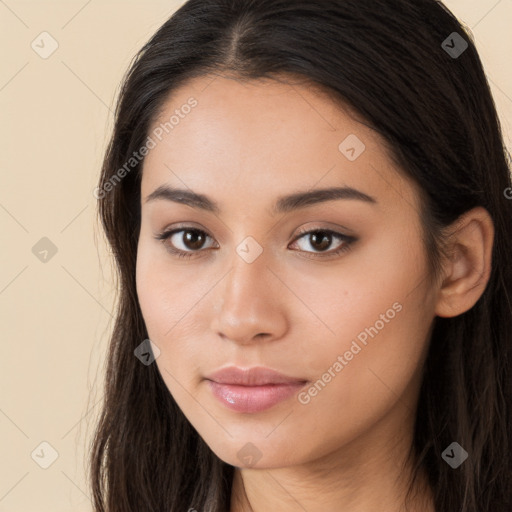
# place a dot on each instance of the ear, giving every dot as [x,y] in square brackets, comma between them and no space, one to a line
[467,271]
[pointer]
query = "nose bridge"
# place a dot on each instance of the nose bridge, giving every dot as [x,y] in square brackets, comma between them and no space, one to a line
[247,304]
[243,287]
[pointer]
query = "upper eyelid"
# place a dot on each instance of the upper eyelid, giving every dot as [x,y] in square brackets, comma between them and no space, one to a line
[308,231]
[167,233]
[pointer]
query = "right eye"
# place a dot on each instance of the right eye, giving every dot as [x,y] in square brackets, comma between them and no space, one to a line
[184,242]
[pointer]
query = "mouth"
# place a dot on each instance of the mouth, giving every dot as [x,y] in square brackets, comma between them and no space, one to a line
[252,390]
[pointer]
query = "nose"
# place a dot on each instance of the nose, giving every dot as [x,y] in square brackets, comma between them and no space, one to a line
[248,304]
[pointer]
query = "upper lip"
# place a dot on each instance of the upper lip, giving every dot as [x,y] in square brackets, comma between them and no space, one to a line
[255,376]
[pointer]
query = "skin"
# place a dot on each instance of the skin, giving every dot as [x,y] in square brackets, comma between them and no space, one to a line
[244,145]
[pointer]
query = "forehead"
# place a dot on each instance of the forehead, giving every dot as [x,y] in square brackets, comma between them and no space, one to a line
[243,139]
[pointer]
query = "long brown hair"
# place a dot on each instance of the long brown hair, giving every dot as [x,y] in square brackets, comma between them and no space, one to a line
[436,112]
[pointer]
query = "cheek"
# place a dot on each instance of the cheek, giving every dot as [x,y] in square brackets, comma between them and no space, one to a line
[376,320]
[166,292]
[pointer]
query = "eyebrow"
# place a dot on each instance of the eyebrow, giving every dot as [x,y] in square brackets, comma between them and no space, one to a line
[284,204]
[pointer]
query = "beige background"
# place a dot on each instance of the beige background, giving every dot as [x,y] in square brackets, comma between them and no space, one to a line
[56,114]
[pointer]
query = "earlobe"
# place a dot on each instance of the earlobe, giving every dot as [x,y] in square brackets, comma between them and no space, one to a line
[467,272]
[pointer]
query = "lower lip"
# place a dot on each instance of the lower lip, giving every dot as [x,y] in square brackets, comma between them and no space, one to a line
[253,398]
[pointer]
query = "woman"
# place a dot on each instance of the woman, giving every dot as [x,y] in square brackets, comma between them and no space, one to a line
[308,207]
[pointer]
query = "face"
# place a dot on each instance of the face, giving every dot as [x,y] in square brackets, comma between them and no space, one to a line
[296,246]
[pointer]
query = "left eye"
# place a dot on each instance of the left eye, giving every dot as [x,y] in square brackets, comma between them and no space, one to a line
[320,240]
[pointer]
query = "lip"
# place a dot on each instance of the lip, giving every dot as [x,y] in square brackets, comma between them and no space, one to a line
[253,389]
[255,376]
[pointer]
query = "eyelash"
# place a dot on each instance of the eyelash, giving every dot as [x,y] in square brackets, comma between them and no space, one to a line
[347,245]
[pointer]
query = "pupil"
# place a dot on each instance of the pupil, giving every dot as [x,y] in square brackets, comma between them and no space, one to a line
[322,237]
[194,239]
